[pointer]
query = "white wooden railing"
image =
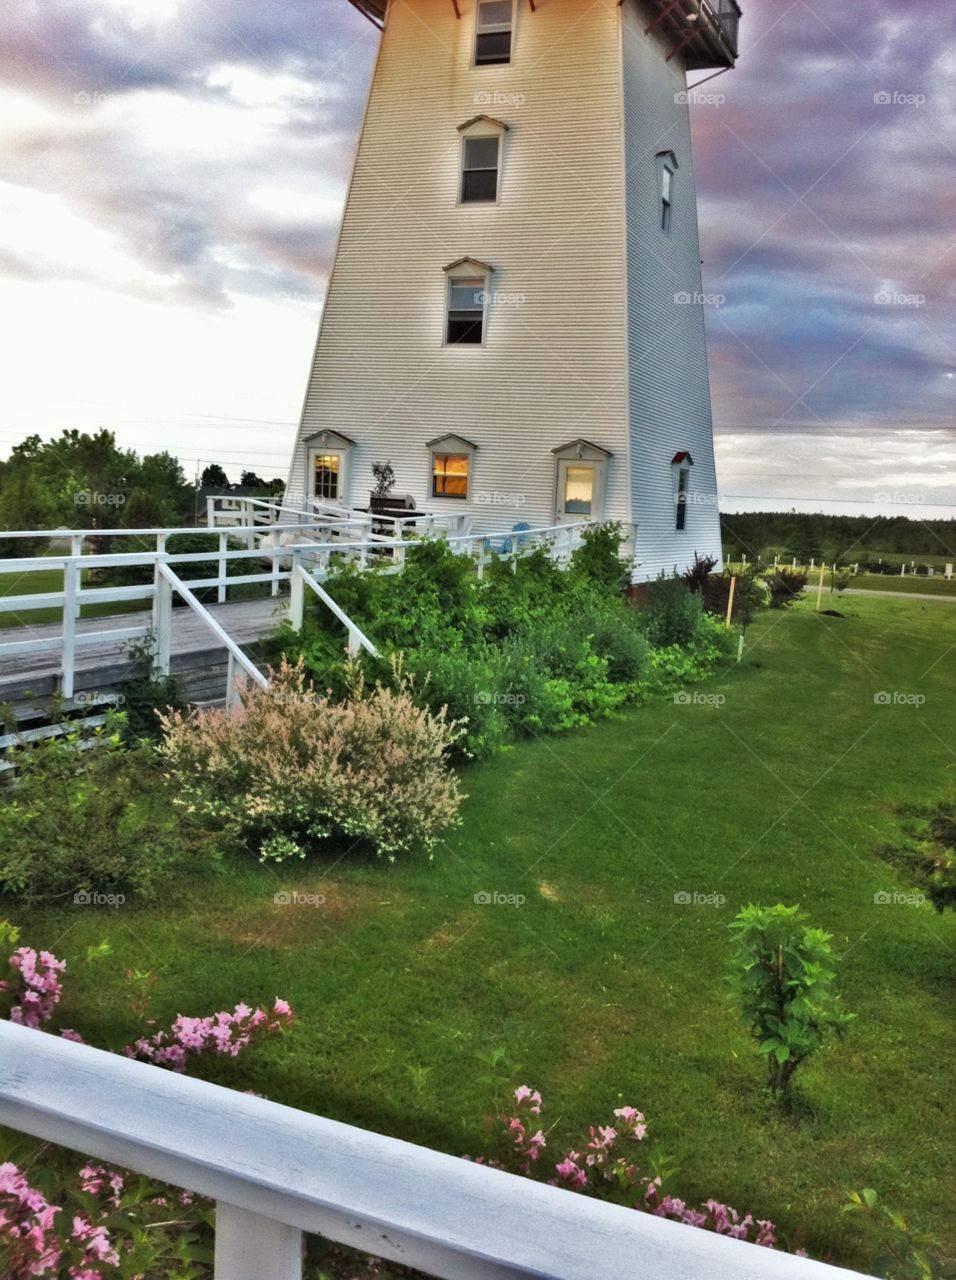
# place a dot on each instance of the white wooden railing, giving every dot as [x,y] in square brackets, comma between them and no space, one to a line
[300,554]
[225,511]
[276,1173]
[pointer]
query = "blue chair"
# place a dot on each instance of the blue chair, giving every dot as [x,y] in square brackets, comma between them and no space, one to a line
[503,546]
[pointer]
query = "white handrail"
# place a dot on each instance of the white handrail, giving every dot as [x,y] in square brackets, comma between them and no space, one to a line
[236,656]
[276,1172]
[300,577]
[310,543]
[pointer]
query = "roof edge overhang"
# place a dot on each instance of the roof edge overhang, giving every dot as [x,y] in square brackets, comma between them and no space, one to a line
[580,442]
[451,436]
[704,32]
[469,262]
[374,10]
[498,124]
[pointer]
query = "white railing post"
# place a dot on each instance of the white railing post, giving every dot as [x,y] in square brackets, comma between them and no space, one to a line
[249,1247]
[210,511]
[232,697]
[223,548]
[162,620]
[71,577]
[76,549]
[276,560]
[296,592]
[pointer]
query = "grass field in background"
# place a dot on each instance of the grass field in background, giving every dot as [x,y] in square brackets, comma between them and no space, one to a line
[780,779]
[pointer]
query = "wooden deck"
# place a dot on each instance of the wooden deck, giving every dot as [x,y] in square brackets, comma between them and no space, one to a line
[99,666]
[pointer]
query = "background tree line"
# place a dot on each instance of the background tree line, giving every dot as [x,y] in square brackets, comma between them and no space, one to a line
[847,539]
[84,481]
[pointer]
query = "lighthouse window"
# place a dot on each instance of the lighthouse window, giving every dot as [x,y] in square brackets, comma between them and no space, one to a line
[450,475]
[493,32]
[667,187]
[680,499]
[479,169]
[466,311]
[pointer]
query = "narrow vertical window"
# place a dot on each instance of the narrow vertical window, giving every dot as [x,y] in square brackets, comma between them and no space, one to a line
[667,190]
[479,169]
[493,32]
[680,499]
[466,312]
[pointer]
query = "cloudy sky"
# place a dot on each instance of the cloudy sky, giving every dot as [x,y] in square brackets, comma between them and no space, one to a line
[171,180]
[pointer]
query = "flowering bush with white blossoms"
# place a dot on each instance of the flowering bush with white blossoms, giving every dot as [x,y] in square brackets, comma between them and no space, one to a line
[291,766]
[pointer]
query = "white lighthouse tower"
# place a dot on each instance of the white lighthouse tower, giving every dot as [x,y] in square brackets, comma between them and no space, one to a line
[514,317]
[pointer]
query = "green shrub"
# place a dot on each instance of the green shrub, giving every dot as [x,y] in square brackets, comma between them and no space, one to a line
[751,594]
[518,595]
[86,816]
[598,561]
[530,648]
[616,635]
[672,614]
[782,978]
[929,855]
[463,684]
[432,602]
[786,586]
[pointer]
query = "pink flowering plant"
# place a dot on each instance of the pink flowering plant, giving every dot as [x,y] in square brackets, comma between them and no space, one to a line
[101,1222]
[607,1163]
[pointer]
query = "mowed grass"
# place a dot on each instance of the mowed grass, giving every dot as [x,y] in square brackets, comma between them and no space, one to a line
[937,585]
[43,581]
[602,986]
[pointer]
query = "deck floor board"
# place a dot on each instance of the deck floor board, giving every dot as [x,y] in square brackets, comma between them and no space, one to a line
[245,621]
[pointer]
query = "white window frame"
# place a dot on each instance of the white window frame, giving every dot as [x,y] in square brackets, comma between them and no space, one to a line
[510,27]
[330,451]
[454,446]
[496,135]
[666,182]
[682,478]
[667,198]
[584,454]
[469,269]
[322,443]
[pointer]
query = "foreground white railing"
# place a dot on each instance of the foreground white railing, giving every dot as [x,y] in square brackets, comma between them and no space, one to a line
[276,1172]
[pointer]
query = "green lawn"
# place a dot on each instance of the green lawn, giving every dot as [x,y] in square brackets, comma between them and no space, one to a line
[601,986]
[41,581]
[937,585]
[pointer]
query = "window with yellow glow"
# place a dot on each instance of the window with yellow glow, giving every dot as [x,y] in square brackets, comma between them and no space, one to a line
[326,476]
[450,475]
[578,490]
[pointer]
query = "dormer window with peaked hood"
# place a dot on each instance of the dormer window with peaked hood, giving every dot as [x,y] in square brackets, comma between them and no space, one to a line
[482,147]
[681,464]
[466,303]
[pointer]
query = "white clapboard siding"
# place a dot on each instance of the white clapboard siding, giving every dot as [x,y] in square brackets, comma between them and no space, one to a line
[582,103]
[667,354]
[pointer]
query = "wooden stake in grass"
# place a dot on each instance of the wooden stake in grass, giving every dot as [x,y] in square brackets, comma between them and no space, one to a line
[730,599]
[820,584]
